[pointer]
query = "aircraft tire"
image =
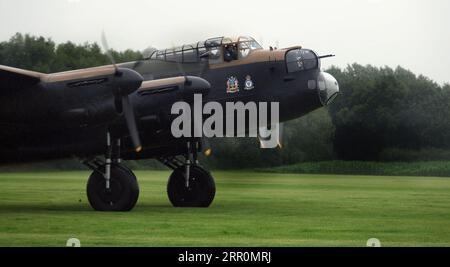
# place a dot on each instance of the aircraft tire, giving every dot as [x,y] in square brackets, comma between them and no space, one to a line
[201,190]
[125,168]
[123,194]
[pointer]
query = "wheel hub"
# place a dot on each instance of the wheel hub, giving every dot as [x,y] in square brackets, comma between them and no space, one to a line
[112,194]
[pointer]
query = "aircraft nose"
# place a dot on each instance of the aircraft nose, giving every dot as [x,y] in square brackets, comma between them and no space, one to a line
[328,88]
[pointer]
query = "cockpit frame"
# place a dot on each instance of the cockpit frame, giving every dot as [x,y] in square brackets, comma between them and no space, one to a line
[192,53]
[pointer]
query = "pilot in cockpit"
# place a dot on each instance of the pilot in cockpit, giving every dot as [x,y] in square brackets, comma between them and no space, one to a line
[230,52]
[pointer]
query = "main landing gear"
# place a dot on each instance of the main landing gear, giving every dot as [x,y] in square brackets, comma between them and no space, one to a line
[111,186]
[189,185]
[114,187]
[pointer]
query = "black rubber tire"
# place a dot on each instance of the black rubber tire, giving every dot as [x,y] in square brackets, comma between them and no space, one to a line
[123,194]
[200,193]
[125,168]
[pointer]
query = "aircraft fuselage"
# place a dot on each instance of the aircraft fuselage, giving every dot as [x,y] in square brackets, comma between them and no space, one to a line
[54,120]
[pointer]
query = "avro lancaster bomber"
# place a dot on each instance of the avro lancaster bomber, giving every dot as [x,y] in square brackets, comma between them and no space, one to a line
[106,115]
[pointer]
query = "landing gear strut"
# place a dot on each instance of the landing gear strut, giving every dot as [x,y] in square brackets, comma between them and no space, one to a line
[189,185]
[111,186]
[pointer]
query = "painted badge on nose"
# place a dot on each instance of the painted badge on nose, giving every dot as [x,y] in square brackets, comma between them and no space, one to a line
[249,85]
[232,85]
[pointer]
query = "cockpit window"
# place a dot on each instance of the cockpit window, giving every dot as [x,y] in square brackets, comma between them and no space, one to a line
[213,48]
[246,45]
[300,60]
[213,42]
[219,49]
[214,52]
[244,49]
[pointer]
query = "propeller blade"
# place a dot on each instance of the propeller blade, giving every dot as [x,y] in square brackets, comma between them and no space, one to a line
[126,83]
[131,123]
[108,51]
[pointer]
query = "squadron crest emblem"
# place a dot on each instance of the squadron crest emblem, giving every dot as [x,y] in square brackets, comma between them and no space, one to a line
[232,85]
[248,83]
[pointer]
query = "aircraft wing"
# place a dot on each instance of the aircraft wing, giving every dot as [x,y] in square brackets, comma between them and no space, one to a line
[91,108]
[189,85]
[12,77]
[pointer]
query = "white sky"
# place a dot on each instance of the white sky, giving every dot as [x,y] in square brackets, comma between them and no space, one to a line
[412,33]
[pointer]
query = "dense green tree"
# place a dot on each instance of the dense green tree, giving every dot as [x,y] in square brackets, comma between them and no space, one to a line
[69,56]
[381,108]
[28,52]
[43,55]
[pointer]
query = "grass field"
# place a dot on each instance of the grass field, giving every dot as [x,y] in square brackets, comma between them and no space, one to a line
[250,209]
[415,168]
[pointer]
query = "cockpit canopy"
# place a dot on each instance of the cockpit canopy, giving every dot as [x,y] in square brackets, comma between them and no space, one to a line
[213,48]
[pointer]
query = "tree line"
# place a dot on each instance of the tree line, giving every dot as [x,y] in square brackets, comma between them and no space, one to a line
[381,113]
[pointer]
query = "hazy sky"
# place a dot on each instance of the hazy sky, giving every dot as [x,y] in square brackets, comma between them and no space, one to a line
[412,33]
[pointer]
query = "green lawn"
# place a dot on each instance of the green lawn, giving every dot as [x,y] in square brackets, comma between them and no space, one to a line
[250,209]
[392,168]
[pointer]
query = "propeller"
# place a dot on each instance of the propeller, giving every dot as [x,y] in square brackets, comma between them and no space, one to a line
[108,51]
[127,81]
[131,123]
